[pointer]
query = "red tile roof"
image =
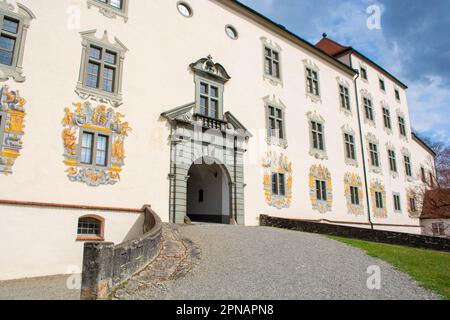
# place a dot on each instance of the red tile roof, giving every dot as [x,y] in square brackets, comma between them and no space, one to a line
[330,47]
[436,204]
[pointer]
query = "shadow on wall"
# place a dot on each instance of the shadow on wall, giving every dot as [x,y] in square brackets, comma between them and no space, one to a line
[136,230]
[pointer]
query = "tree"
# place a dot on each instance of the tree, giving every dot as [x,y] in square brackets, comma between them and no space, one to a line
[442,151]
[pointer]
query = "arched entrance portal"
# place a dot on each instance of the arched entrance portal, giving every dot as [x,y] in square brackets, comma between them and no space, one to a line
[208,194]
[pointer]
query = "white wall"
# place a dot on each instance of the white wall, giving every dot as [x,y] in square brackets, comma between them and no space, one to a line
[42,241]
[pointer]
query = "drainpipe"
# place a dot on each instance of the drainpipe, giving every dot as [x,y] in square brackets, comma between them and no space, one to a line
[235,180]
[173,169]
[362,144]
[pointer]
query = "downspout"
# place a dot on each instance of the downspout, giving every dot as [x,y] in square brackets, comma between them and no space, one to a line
[235,180]
[362,143]
[173,172]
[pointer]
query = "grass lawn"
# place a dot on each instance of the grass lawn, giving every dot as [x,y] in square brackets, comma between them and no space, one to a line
[430,268]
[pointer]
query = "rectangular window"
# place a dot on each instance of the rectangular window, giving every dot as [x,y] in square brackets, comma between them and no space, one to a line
[438,229]
[382,85]
[312,80]
[431,180]
[272,63]
[278,184]
[276,122]
[424,177]
[397,203]
[392,160]
[379,200]
[345,97]
[397,94]
[209,100]
[89,227]
[408,169]
[368,109]
[117,4]
[354,192]
[412,205]
[374,158]
[101,73]
[350,149]
[402,126]
[387,118]
[364,73]
[317,136]
[94,149]
[321,190]
[8,40]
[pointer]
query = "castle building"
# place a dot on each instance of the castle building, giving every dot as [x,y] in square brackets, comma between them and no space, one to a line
[204,110]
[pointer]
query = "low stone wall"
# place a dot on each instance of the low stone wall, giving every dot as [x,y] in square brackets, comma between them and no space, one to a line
[405,239]
[106,266]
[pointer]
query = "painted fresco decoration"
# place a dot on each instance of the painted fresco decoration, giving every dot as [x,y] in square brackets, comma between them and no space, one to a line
[319,172]
[13,114]
[274,163]
[377,186]
[100,119]
[354,180]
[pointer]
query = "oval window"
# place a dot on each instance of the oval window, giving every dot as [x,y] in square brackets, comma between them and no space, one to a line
[184,9]
[231,32]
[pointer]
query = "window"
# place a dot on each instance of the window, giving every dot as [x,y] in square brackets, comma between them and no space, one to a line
[412,205]
[387,118]
[345,97]
[364,73]
[354,193]
[397,203]
[368,109]
[374,158]
[350,149]
[438,229]
[424,178]
[402,126]
[321,190]
[279,184]
[276,123]
[111,8]
[231,32]
[312,81]
[382,85]
[379,200]
[408,169]
[12,40]
[317,132]
[209,100]
[397,94]
[101,69]
[392,161]
[90,228]
[184,9]
[431,180]
[272,63]
[201,195]
[94,149]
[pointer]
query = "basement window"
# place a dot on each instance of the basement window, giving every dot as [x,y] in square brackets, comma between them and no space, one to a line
[90,228]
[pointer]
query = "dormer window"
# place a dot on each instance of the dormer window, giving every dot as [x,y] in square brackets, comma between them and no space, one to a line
[210,79]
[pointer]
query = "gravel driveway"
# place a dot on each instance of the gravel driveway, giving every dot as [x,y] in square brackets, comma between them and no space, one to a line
[265,263]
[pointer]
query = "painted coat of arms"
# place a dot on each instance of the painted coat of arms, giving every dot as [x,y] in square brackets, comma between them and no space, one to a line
[273,163]
[12,114]
[320,173]
[82,117]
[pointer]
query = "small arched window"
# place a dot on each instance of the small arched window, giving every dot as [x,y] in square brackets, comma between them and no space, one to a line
[90,228]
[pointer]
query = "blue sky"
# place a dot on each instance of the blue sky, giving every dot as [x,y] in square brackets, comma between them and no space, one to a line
[413,44]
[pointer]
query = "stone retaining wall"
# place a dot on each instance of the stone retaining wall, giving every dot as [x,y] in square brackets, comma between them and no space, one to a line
[405,239]
[106,266]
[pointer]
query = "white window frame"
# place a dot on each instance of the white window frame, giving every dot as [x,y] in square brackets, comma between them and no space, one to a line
[269,44]
[109,10]
[371,139]
[310,65]
[273,101]
[342,83]
[317,153]
[407,155]
[24,16]
[199,80]
[97,94]
[347,131]
[366,96]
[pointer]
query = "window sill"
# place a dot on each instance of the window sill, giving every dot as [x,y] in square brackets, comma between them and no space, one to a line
[90,239]
[8,72]
[108,11]
[318,154]
[86,93]
[273,81]
[314,98]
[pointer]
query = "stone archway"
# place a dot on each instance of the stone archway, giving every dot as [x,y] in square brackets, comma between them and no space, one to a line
[209,194]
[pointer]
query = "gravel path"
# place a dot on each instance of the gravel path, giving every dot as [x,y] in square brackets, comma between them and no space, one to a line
[265,263]
[46,288]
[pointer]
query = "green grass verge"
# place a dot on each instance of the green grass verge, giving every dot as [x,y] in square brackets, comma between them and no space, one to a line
[430,268]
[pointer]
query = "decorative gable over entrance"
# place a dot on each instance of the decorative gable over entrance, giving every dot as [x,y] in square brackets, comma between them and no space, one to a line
[203,135]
